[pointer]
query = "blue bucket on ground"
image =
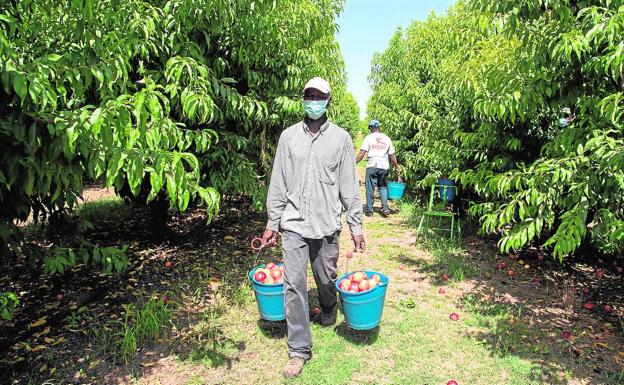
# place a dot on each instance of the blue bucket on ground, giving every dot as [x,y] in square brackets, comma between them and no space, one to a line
[270,299]
[363,310]
[447,188]
[395,190]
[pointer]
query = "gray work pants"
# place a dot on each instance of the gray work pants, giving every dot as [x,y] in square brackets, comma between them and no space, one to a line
[323,255]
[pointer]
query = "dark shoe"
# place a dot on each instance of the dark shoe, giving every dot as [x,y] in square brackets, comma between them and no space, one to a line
[385,213]
[328,318]
[293,367]
[368,213]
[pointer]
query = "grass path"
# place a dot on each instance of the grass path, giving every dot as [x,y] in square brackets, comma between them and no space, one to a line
[509,331]
[416,342]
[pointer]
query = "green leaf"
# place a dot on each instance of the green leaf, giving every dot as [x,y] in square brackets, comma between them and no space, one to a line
[99,75]
[96,121]
[20,87]
[54,57]
[29,182]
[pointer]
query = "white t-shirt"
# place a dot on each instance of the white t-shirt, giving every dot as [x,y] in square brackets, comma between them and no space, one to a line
[378,146]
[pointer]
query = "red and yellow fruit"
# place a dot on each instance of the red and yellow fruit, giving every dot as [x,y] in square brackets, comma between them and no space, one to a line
[359,282]
[345,284]
[359,276]
[270,274]
[363,285]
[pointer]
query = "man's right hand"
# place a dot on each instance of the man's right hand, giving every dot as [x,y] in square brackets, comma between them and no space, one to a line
[359,243]
[269,237]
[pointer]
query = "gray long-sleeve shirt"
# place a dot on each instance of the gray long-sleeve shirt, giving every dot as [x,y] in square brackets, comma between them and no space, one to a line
[313,178]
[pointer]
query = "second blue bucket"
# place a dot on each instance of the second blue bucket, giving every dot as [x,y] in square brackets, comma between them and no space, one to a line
[363,310]
[395,190]
[270,299]
[447,188]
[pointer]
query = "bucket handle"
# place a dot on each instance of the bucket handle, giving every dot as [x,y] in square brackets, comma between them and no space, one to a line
[349,256]
[257,245]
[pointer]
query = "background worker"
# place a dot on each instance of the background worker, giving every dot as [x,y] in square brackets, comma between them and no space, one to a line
[380,151]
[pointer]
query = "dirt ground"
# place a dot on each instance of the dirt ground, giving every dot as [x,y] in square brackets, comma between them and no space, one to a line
[64,345]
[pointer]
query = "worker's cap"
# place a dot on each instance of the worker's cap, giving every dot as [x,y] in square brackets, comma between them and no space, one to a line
[374,123]
[318,83]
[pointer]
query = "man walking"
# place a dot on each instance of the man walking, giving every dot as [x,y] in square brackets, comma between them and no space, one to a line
[314,176]
[379,149]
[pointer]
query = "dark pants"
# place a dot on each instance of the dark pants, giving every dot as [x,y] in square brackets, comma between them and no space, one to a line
[323,255]
[376,177]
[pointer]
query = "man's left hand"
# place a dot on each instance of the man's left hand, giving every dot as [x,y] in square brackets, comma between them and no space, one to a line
[359,243]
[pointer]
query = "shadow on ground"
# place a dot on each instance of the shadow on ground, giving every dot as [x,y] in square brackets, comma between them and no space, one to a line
[523,309]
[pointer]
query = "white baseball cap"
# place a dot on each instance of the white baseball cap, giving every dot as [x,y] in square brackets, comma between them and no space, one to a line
[318,83]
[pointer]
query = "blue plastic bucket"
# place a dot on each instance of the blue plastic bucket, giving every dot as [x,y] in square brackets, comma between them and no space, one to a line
[395,190]
[363,310]
[447,188]
[270,299]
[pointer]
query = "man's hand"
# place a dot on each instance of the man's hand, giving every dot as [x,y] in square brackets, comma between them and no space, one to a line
[269,237]
[359,243]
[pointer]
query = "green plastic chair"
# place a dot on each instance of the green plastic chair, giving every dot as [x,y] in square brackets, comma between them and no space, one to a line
[439,207]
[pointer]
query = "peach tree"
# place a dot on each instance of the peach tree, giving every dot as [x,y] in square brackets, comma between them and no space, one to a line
[175,101]
[521,103]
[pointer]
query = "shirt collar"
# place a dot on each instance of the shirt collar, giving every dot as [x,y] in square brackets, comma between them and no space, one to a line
[324,125]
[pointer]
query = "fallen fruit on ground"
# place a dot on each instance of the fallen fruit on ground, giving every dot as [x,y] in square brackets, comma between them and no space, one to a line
[445,277]
[168,264]
[60,296]
[589,305]
[316,310]
[608,308]
[454,316]
[585,290]
[510,273]
[452,382]
[566,334]
[600,274]
[501,266]
[441,290]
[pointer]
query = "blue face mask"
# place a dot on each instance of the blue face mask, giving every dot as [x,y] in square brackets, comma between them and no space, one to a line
[315,108]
